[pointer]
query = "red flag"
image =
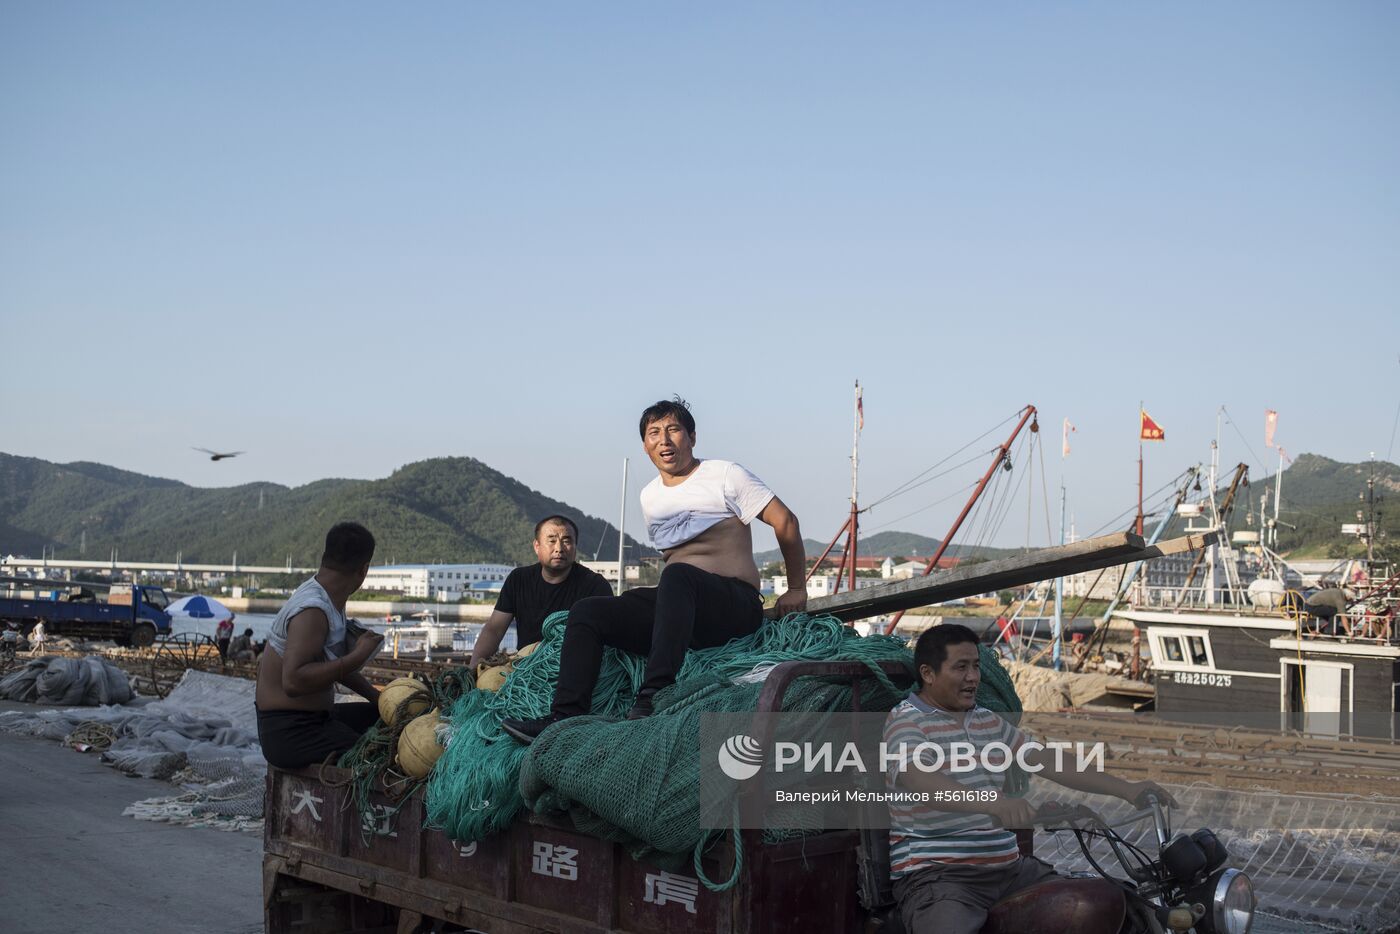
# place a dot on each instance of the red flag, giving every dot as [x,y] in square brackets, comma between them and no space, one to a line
[1270,423]
[1150,431]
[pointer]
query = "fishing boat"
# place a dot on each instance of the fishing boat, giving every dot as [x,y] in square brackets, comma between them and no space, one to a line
[1245,635]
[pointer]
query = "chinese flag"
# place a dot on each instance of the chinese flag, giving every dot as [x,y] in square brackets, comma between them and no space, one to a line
[1151,431]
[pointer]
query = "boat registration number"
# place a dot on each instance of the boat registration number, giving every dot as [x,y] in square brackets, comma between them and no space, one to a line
[1204,678]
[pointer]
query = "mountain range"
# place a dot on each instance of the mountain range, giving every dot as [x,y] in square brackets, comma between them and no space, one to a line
[1319,495]
[460,510]
[451,510]
[906,545]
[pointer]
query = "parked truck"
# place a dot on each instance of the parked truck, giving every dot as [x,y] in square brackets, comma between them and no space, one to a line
[133,614]
[329,868]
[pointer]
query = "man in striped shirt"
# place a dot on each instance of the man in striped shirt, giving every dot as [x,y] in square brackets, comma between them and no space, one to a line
[955,857]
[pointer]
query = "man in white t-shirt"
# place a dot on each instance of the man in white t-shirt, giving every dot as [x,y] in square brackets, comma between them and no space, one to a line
[698,514]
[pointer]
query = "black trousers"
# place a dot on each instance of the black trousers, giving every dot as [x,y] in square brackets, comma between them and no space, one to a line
[688,609]
[291,739]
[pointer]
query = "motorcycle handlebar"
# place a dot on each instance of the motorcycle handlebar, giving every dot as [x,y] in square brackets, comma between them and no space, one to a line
[1055,814]
[1063,815]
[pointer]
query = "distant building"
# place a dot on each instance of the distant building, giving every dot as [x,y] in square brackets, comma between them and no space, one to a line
[863,562]
[824,585]
[608,569]
[438,581]
[916,567]
[1164,579]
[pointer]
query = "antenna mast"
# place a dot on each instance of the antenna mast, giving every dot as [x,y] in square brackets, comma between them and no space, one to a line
[850,528]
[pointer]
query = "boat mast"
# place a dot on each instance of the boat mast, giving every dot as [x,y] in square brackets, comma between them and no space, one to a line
[1058,635]
[1212,555]
[1139,515]
[857,422]
[1371,522]
[622,535]
[850,527]
[1000,458]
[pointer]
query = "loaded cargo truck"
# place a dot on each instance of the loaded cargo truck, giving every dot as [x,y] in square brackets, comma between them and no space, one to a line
[133,615]
[328,867]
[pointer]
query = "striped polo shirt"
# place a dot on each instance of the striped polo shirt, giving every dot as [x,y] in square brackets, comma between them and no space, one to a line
[919,834]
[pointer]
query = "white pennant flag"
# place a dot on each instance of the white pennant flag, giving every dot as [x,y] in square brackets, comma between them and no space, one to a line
[1064,449]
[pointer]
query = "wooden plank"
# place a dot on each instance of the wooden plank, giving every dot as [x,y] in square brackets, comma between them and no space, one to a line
[967,580]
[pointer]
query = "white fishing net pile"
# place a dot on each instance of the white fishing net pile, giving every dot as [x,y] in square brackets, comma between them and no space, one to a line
[1318,862]
[203,737]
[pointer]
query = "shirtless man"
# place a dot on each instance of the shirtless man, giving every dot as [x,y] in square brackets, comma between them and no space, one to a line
[309,651]
[698,514]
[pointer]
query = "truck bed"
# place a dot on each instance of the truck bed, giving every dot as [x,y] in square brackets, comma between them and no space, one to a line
[319,875]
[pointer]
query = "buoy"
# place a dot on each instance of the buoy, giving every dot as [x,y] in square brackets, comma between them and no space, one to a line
[418,746]
[522,652]
[400,690]
[491,679]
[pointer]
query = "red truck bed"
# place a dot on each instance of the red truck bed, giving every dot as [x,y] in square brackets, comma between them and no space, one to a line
[319,876]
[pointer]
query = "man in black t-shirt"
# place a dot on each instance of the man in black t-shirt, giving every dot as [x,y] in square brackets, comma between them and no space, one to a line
[532,593]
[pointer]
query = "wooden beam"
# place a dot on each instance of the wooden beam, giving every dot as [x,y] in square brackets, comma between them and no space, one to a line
[967,580]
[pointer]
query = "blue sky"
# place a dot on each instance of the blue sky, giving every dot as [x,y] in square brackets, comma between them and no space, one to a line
[347,237]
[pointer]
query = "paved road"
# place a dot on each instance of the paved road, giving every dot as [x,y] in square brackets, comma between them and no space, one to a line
[69,861]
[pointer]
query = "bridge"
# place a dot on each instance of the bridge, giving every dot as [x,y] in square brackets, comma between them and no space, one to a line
[15,563]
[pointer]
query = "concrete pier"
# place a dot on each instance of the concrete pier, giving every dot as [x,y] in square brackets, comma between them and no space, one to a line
[69,860]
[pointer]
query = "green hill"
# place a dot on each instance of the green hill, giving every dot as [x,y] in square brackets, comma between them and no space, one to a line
[1319,495]
[442,510]
[901,544]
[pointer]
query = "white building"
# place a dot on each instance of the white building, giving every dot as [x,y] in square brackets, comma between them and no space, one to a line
[1163,578]
[608,569]
[824,585]
[438,581]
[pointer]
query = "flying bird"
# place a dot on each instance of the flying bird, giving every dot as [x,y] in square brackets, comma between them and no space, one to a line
[216,456]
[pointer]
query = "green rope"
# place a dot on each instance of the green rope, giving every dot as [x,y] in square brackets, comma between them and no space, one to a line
[702,844]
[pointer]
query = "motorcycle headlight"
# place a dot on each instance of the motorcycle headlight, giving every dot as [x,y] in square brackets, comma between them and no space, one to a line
[1231,901]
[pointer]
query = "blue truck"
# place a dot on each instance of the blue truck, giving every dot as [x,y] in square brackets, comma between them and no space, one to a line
[133,614]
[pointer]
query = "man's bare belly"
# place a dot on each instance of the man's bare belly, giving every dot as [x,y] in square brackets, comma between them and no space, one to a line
[270,695]
[725,549]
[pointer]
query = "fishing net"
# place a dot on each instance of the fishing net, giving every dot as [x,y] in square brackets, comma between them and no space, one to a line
[89,681]
[636,782]
[1318,862]
[203,737]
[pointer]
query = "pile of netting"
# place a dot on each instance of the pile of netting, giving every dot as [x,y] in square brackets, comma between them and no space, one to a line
[636,782]
[1318,862]
[71,682]
[202,737]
